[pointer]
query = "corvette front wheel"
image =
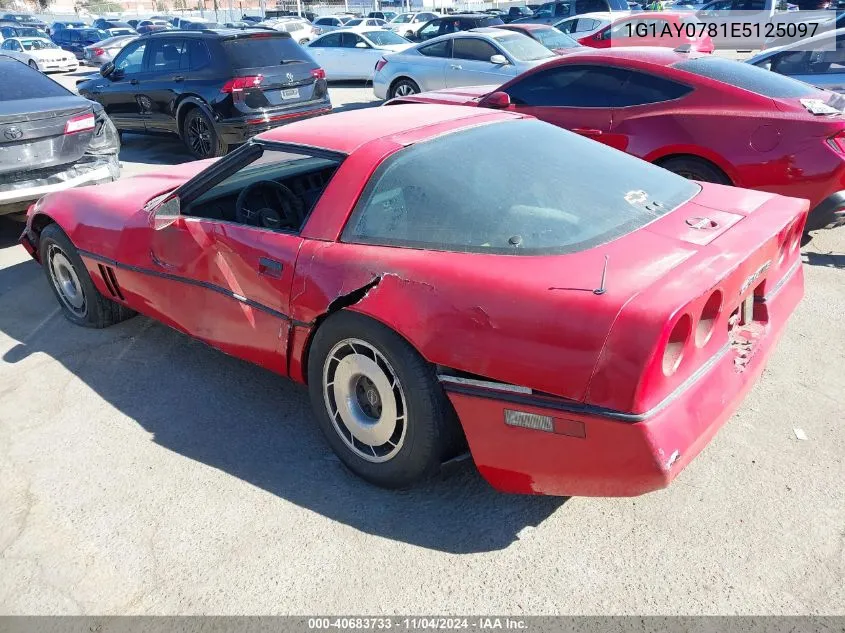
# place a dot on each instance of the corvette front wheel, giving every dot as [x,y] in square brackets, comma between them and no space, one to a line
[377,402]
[78,298]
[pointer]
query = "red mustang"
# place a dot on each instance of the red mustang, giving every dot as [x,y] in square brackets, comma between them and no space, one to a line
[443,275]
[664,28]
[701,116]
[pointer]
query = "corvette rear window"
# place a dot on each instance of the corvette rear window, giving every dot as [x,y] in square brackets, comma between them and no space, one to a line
[747,77]
[520,187]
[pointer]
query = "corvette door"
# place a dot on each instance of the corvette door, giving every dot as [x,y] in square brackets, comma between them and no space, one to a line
[235,246]
[577,98]
[471,66]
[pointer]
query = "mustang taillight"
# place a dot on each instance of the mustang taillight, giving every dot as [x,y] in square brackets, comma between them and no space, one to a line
[837,142]
[239,84]
[99,51]
[318,73]
[80,123]
[381,64]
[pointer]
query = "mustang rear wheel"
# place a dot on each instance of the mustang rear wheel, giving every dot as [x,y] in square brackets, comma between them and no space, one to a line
[695,169]
[78,298]
[378,403]
[33,64]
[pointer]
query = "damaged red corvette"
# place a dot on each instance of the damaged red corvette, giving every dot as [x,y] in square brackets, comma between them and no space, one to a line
[445,277]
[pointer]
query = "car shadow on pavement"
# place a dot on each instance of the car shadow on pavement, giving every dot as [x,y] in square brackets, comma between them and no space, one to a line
[153,150]
[828,260]
[253,425]
[10,231]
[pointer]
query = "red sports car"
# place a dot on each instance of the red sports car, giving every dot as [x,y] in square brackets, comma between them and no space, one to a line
[704,117]
[443,275]
[664,28]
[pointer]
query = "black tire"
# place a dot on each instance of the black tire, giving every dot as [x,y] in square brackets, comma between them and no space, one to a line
[97,311]
[400,85]
[432,432]
[696,169]
[33,64]
[200,137]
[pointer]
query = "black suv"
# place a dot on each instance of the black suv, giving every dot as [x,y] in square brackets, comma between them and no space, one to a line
[457,22]
[208,87]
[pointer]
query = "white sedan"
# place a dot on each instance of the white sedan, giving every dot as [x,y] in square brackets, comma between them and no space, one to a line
[40,53]
[352,54]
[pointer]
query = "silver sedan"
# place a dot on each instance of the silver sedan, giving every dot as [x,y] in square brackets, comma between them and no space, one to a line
[105,50]
[819,60]
[466,58]
[352,54]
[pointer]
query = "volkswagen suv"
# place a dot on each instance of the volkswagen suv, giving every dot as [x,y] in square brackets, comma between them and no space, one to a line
[209,87]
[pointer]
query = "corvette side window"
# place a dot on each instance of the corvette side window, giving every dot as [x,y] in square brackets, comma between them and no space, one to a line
[275,190]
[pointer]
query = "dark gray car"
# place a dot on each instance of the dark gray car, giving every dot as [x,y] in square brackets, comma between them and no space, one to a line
[50,138]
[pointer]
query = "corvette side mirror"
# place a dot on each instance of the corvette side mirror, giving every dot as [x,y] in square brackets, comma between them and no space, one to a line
[166,213]
[107,69]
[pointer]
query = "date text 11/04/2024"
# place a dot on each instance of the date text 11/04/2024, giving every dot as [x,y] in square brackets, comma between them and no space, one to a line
[724,30]
[416,623]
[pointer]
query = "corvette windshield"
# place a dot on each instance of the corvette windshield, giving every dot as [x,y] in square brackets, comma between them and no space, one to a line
[516,187]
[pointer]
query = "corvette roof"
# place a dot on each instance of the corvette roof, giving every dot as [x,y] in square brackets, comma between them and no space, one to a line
[346,131]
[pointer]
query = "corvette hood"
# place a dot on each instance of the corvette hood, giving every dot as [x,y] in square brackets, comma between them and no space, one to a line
[92,216]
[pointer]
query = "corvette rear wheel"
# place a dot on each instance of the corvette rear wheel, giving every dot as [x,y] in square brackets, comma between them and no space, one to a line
[404,88]
[696,169]
[377,402]
[78,298]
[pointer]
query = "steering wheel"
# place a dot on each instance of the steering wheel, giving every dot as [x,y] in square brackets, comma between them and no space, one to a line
[287,212]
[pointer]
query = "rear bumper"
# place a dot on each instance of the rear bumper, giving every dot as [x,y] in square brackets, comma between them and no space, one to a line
[48,67]
[241,129]
[827,214]
[601,453]
[91,170]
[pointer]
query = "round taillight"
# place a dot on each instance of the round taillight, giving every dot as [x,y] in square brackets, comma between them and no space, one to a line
[707,322]
[674,351]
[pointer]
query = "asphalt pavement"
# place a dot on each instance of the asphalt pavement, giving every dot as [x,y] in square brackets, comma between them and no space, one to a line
[142,472]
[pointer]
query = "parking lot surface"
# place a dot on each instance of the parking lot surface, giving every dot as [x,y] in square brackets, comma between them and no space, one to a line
[142,472]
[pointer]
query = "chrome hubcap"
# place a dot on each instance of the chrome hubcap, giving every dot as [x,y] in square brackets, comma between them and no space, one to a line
[365,400]
[199,136]
[404,89]
[66,281]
